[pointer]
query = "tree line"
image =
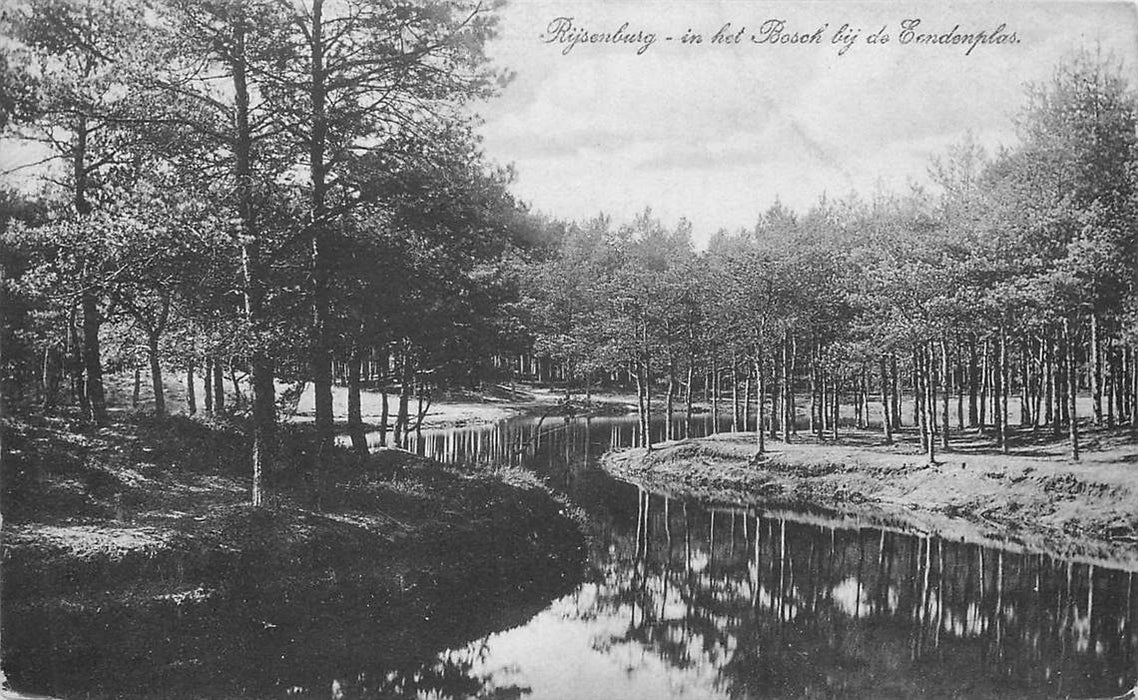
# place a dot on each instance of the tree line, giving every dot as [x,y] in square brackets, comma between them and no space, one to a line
[1016,278]
[269,196]
[252,192]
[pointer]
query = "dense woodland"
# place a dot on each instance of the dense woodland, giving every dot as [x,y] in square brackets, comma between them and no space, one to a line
[272,196]
[1016,278]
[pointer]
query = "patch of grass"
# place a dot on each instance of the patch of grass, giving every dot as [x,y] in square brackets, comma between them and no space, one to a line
[113,507]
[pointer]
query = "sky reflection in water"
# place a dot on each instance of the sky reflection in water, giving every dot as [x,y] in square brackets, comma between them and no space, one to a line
[686,600]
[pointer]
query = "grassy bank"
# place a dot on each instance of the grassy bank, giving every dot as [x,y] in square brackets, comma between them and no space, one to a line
[1033,496]
[130,553]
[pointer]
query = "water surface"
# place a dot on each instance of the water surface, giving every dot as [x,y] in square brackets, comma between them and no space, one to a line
[680,599]
[695,600]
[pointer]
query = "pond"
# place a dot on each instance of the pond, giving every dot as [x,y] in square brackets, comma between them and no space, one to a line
[679,599]
[688,599]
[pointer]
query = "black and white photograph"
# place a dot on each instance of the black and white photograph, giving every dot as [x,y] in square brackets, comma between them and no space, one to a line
[568,349]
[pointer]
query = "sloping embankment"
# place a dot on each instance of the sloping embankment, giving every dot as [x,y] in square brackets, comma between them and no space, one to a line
[1082,510]
[130,558]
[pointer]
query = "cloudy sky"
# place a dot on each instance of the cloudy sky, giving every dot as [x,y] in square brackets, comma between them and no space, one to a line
[717,132]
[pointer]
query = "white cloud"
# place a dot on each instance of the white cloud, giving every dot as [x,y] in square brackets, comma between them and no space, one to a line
[714,133]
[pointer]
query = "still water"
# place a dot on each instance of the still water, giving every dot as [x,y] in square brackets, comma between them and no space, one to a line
[683,599]
[679,599]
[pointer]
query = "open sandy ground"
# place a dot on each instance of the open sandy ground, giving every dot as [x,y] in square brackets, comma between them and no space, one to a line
[451,410]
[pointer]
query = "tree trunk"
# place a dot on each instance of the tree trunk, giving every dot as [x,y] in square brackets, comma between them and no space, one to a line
[734,393]
[985,373]
[958,378]
[714,393]
[895,384]
[50,378]
[688,395]
[973,383]
[207,384]
[929,404]
[355,415]
[784,385]
[1127,379]
[639,374]
[886,418]
[384,416]
[864,404]
[1072,390]
[813,392]
[154,328]
[237,397]
[1002,389]
[321,263]
[931,388]
[916,381]
[94,401]
[919,398]
[760,390]
[191,389]
[136,391]
[946,389]
[1109,385]
[92,362]
[1096,369]
[421,409]
[788,388]
[776,414]
[264,391]
[1024,386]
[156,376]
[405,387]
[1037,386]
[824,390]
[1120,384]
[647,395]
[837,398]
[1051,375]
[1133,391]
[746,398]
[74,352]
[1061,385]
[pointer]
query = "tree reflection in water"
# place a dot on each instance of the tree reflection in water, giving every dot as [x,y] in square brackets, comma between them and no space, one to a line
[795,608]
[732,602]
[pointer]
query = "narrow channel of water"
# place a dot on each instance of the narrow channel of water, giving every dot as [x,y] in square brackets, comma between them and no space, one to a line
[689,599]
[680,599]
